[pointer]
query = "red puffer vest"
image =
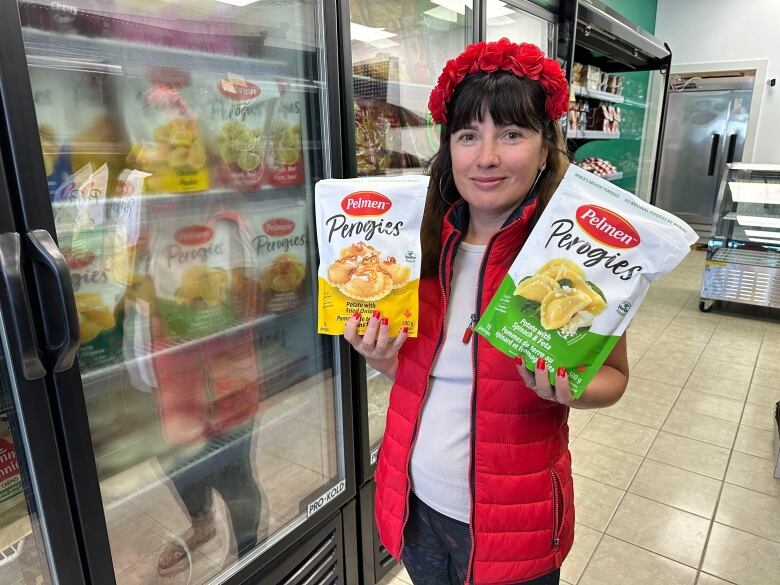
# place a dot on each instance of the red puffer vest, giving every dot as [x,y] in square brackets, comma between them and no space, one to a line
[522,498]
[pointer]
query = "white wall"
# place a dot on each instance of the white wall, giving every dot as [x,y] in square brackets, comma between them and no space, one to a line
[716,31]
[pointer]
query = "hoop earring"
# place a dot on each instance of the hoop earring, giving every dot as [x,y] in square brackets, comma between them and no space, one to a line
[536,180]
[441,189]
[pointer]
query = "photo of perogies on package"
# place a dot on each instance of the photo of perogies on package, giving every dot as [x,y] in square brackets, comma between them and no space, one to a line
[581,276]
[368,231]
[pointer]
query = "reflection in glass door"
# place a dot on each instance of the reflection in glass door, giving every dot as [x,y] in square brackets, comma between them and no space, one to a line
[22,557]
[181,142]
[505,20]
[398,50]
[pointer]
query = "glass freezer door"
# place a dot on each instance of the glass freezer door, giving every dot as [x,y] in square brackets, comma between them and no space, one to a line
[181,142]
[398,49]
[22,557]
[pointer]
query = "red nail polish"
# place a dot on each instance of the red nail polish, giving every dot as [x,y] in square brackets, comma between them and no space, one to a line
[540,365]
[356,316]
[519,361]
[385,321]
[376,315]
[405,330]
[561,372]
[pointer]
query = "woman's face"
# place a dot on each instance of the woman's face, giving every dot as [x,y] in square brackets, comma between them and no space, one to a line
[493,166]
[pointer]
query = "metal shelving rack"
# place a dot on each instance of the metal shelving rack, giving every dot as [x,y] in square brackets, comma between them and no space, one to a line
[743,252]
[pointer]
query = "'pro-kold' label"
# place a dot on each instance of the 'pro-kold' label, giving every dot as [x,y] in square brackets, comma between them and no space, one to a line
[581,275]
[368,231]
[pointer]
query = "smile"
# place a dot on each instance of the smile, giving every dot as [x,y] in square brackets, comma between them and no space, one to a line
[487,182]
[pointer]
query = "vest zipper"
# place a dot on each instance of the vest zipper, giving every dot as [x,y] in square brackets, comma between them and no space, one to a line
[470,328]
[558,504]
[439,343]
[474,357]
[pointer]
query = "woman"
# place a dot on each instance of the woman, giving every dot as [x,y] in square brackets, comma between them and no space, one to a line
[474,475]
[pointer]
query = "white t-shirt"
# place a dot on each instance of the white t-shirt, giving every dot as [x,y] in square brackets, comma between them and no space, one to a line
[440,460]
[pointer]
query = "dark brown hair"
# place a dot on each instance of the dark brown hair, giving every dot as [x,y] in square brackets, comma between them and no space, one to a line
[508,99]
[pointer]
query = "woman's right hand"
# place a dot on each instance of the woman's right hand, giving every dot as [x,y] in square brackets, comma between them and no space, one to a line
[376,345]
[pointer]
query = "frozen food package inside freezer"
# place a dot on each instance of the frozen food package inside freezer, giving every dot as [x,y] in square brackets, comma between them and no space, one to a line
[280,245]
[581,275]
[87,245]
[284,157]
[201,266]
[164,130]
[236,115]
[368,231]
[76,124]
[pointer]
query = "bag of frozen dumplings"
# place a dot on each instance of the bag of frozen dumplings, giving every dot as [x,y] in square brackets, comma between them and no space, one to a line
[581,275]
[368,231]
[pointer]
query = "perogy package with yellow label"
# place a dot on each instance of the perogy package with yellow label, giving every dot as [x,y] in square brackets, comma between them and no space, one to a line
[581,276]
[368,231]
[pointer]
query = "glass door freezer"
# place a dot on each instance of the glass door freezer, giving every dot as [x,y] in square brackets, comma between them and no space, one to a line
[161,165]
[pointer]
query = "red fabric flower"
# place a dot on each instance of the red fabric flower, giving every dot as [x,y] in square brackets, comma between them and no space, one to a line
[524,60]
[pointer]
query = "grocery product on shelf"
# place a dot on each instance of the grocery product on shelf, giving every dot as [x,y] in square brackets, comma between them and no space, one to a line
[598,166]
[280,244]
[75,124]
[164,131]
[284,155]
[373,122]
[86,239]
[202,270]
[236,116]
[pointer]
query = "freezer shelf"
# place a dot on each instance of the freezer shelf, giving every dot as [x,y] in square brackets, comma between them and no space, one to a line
[265,193]
[103,55]
[593,135]
[599,95]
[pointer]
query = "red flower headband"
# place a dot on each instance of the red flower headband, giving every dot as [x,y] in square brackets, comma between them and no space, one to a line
[524,60]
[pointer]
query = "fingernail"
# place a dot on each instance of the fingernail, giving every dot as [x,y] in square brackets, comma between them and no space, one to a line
[385,321]
[376,315]
[561,372]
[405,330]
[356,316]
[540,365]
[519,361]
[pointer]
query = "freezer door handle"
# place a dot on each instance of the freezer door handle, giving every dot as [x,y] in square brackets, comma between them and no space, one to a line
[19,318]
[45,251]
[732,148]
[713,154]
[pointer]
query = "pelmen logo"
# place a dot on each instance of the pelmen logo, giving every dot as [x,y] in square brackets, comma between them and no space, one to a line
[238,89]
[194,235]
[607,227]
[278,227]
[365,203]
[78,260]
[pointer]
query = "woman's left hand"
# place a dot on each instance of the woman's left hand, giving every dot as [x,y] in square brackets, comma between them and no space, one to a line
[539,382]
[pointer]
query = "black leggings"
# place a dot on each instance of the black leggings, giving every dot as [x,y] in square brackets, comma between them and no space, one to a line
[437,548]
[224,465]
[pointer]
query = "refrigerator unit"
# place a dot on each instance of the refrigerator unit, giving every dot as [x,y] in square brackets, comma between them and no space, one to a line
[707,120]
[618,73]
[169,414]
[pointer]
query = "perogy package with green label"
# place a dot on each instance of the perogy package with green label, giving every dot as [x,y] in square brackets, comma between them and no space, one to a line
[581,275]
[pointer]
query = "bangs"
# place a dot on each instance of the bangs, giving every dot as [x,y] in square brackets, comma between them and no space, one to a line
[508,99]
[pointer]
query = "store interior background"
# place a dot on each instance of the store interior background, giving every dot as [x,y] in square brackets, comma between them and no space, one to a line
[674,484]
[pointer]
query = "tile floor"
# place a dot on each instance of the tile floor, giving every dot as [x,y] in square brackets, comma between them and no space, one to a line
[674,484]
